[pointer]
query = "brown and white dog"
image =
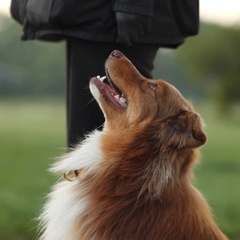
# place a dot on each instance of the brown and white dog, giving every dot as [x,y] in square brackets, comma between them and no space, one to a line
[132,181]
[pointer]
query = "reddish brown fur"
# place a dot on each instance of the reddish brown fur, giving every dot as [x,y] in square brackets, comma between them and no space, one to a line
[143,189]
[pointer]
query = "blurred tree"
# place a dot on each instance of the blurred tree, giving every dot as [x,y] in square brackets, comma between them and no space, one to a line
[166,67]
[213,59]
[29,68]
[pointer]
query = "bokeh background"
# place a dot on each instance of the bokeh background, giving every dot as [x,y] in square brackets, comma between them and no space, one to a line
[206,69]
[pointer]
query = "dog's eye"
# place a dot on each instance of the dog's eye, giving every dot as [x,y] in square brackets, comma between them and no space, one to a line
[153,86]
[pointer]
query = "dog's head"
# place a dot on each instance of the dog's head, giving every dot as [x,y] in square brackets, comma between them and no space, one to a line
[130,100]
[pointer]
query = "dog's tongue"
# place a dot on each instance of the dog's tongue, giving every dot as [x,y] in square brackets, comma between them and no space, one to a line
[112,94]
[105,87]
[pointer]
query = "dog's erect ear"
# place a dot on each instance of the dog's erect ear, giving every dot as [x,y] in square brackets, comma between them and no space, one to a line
[188,130]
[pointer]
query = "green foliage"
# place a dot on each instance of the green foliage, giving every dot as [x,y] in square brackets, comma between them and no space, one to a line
[29,68]
[33,134]
[213,59]
[167,68]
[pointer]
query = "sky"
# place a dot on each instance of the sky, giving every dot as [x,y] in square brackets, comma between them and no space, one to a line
[218,11]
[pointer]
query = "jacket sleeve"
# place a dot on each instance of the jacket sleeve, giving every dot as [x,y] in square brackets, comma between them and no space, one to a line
[18,10]
[140,7]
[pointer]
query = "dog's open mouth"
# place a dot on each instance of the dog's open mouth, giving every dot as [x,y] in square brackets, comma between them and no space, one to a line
[111,91]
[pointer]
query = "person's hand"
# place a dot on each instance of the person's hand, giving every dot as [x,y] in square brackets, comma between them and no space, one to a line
[131,26]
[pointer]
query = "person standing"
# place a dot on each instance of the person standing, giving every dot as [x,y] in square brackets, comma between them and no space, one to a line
[92,30]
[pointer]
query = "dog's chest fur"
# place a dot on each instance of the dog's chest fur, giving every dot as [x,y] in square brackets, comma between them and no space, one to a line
[68,201]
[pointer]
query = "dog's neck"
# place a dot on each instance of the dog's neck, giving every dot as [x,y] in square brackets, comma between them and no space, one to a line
[142,162]
[139,160]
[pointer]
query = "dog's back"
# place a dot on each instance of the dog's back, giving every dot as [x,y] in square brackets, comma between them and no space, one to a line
[134,177]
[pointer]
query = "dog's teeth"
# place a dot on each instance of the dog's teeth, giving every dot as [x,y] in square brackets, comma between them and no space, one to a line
[116,97]
[102,78]
[123,101]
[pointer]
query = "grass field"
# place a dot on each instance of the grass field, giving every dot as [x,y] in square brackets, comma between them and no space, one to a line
[33,133]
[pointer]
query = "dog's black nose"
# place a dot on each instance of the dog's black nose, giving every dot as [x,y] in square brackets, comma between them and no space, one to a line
[116,54]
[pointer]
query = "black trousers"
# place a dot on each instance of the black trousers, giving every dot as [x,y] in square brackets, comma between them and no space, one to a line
[86,59]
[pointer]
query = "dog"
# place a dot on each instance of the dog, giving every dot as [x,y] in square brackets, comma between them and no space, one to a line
[132,180]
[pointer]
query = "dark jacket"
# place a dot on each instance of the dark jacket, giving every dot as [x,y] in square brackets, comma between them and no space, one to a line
[172,20]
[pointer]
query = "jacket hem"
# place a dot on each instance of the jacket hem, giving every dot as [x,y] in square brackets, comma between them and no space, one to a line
[134,9]
[48,35]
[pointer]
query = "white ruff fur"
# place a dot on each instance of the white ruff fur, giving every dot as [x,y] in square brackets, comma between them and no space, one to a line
[64,203]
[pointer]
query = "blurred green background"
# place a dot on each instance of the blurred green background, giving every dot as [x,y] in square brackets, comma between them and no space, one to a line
[32,120]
